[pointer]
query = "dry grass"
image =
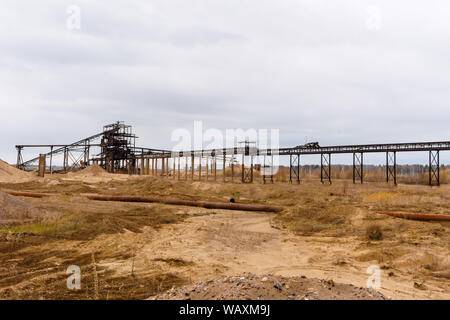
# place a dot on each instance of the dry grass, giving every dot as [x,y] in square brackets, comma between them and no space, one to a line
[374,232]
[432,262]
[311,220]
[342,211]
[80,219]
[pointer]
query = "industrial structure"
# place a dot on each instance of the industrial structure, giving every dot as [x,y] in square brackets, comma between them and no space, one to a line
[116,145]
[118,153]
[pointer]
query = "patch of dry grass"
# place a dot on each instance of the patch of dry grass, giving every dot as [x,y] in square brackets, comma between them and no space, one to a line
[310,220]
[78,221]
[432,262]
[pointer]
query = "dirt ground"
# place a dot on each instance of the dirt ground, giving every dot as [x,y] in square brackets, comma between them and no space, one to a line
[137,251]
[269,287]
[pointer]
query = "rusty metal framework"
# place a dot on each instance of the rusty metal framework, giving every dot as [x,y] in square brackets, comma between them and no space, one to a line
[325,167]
[267,168]
[391,166]
[116,145]
[358,167]
[294,168]
[117,148]
[117,152]
[248,152]
[433,168]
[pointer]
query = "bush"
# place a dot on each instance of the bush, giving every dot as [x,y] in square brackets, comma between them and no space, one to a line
[374,232]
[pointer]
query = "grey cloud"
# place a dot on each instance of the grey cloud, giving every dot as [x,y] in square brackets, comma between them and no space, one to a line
[310,68]
[200,36]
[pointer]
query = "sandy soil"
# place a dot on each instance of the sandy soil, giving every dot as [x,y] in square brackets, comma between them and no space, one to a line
[134,251]
[239,242]
[9,173]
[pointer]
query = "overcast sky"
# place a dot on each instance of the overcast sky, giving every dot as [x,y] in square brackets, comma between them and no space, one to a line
[337,72]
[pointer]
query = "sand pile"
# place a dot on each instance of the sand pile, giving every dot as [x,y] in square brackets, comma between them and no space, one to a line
[94,174]
[270,287]
[9,173]
[92,171]
[13,208]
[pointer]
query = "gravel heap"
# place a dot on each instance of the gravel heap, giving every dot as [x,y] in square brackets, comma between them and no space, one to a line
[269,287]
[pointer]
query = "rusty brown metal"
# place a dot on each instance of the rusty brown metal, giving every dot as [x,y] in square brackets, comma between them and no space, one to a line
[215,168]
[207,169]
[41,165]
[223,166]
[200,168]
[417,216]
[203,204]
[25,194]
[186,169]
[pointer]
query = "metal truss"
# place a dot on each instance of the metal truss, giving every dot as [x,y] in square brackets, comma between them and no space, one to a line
[358,167]
[118,153]
[433,168]
[294,168]
[325,167]
[391,166]
[267,168]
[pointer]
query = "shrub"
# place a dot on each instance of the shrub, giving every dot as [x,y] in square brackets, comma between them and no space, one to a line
[374,232]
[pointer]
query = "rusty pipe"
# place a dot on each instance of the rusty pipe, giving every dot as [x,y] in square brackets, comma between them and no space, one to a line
[203,204]
[25,194]
[417,216]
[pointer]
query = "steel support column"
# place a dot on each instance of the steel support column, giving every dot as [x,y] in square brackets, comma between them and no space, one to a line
[19,157]
[294,168]
[200,167]
[66,159]
[186,169]
[167,167]
[232,167]
[391,166]
[358,173]
[174,169]
[215,167]
[325,167]
[192,166]
[247,173]
[265,169]
[271,169]
[51,160]
[207,167]
[433,168]
[224,164]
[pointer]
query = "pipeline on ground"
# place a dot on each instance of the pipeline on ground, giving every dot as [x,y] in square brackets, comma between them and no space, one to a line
[417,216]
[203,204]
[25,193]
